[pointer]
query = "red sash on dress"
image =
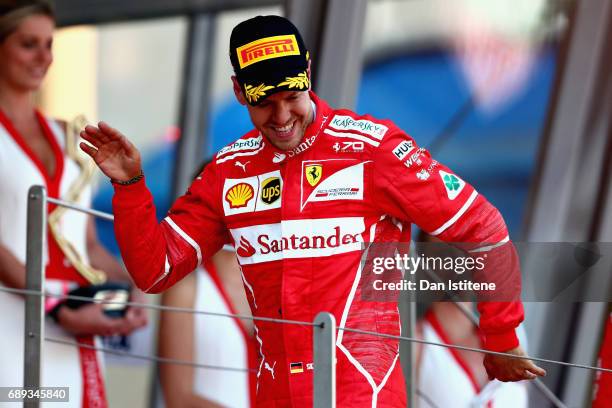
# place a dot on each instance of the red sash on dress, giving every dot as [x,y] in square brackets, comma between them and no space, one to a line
[94,395]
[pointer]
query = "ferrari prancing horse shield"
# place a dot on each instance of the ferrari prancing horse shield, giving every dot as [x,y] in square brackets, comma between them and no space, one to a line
[313,173]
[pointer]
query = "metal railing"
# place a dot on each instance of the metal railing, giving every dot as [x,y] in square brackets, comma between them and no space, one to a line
[324,337]
[324,325]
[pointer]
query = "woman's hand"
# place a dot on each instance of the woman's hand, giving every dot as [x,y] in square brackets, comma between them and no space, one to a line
[91,320]
[137,316]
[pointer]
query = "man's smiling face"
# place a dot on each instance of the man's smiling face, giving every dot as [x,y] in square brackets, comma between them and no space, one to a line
[283,117]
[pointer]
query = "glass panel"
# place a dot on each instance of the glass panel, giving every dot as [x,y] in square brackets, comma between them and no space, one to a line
[471,81]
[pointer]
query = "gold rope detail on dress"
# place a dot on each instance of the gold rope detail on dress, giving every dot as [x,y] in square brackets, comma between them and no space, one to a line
[94,276]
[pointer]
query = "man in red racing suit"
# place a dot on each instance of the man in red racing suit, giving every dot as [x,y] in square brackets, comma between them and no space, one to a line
[298,219]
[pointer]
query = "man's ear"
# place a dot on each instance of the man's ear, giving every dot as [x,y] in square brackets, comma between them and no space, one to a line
[238,91]
[308,73]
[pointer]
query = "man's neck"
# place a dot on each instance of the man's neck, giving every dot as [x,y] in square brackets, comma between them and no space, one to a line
[314,112]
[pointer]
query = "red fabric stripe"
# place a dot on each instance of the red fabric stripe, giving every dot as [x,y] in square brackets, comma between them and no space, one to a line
[52,183]
[435,324]
[94,395]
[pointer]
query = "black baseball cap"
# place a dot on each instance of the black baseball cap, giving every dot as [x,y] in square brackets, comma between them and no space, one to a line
[268,56]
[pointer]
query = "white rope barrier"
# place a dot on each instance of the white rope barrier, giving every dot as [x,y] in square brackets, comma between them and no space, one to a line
[540,385]
[537,383]
[155,359]
[99,214]
[155,307]
[296,322]
[474,349]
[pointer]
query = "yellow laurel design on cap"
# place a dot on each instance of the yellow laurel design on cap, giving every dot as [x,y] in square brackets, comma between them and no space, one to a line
[300,81]
[253,93]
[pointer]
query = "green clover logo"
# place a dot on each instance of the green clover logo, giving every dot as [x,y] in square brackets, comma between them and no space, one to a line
[451,182]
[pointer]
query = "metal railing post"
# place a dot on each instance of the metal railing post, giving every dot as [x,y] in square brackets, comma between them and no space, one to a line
[35,279]
[412,332]
[324,361]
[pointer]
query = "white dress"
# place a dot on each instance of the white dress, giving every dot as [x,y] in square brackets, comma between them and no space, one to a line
[446,381]
[19,170]
[223,342]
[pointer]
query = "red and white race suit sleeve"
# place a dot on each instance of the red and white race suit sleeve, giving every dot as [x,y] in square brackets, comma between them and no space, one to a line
[411,186]
[157,255]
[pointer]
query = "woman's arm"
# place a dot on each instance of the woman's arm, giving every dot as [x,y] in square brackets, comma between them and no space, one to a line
[87,320]
[176,341]
[12,271]
[100,258]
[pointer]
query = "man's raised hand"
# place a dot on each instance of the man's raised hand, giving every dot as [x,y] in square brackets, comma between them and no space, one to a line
[114,154]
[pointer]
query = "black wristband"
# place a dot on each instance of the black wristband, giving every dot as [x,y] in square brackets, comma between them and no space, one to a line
[130,181]
[53,313]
